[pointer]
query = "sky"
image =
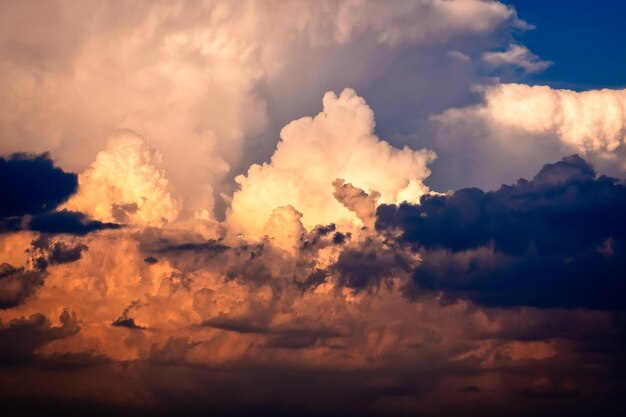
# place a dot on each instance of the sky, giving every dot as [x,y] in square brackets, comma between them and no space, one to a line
[312,208]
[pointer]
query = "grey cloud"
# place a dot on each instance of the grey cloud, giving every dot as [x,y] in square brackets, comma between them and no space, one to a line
[20,338]
[17,284]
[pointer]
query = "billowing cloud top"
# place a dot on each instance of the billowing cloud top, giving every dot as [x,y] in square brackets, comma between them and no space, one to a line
[125,185]
[337,143]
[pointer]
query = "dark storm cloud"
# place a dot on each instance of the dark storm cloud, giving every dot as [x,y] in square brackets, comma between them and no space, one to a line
[31,184]
[208,247]
[20,338]
[557,240]
[296,336]
[47,252]
[371,263]
[67,222]
[17,284]
[129,323]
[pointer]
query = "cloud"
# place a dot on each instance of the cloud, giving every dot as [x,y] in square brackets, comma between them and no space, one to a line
[357,201]
[67,222]
[517,127]
[17,284]
[326,316]
[313,152]
[20,339]
[517,56]
[556,240]
[46,250]
[124,184]
[338,283]
[31,184]
[202,83]
[588,121]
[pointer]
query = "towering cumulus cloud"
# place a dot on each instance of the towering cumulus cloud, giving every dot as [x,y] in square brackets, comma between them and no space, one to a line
[338,143]
[202,81]
[125,185]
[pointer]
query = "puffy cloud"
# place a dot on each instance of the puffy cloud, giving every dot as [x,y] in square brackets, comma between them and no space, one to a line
[326,311]
[518,56]
[357,201]
[518,127]
[557,240]
[125,185]
[313,152]
[588,121]
[284,228]
[194,78]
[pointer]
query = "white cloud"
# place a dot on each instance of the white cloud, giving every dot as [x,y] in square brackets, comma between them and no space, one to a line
[191,79]
[519,56]
[125,185]
[589,121]
[519,127]
[313,152]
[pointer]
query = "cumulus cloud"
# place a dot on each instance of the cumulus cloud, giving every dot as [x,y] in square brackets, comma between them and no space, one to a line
[553,241]
[416,296]
[313,152]
[125,185]
[284,228]
[588,121]
[357,201]
[518,127]
[193,78]
[517,56]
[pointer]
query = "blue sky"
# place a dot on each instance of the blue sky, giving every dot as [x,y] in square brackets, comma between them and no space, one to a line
[585,43]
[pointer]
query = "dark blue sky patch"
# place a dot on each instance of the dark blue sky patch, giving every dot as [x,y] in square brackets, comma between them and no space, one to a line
[68,222]
[584,40]
[31,184]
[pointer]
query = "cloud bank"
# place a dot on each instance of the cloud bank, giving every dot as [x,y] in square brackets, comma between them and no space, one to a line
[498,296]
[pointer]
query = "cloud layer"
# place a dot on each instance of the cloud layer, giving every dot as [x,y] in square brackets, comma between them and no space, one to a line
[488,297]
